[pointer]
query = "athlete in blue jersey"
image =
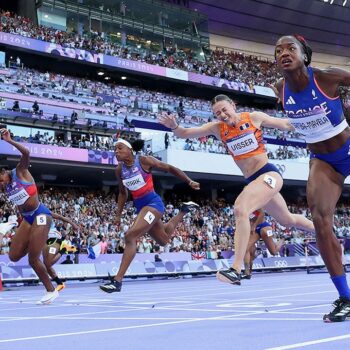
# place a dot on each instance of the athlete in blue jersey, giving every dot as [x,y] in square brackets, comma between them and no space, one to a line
[31,235]
[54,250]
[259,229]
[134,174]
[310,97]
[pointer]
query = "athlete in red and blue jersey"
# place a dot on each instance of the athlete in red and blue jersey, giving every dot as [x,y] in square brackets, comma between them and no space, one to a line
[32,233]
[259,229]
[134,174]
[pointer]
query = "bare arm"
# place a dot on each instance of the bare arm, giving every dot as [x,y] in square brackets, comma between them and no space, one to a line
[65,219]
[336,75]
[261,119]
[123,192]
[206,129]
[23,165]
[148,163]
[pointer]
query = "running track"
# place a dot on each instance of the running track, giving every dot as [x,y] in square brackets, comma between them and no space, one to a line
[272,311]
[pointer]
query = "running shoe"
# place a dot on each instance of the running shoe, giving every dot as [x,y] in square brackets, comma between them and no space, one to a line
[60,287]
[341,311]
[246,276]
[229,276]
[48,298]
[186,207]
[112,286]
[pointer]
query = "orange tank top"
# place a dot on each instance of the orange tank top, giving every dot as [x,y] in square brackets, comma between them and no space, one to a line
[243,140]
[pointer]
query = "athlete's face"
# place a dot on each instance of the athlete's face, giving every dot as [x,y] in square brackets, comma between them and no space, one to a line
[122,152]
[225,111]
[289,54]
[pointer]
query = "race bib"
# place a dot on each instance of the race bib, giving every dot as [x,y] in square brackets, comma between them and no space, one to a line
[242,144]
[311,123]
[134,183]
[20,197]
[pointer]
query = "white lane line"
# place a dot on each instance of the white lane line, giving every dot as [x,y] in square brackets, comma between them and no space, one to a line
[25,318]
[311,342]
[254,298]
[107,330]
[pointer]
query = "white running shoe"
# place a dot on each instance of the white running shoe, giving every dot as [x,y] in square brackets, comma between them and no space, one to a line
[48,298]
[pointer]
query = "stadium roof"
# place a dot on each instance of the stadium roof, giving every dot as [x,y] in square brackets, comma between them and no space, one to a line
[324,23]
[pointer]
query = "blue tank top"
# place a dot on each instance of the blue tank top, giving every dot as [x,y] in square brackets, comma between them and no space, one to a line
[136,180]
[313,114]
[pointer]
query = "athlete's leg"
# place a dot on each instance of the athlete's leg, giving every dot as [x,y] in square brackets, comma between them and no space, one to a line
[51,255]
[278,209]
[323,191]
[162,232]
[248,257]
[37,241]
[20,241]
[267,237]
[144,222]
[254,196]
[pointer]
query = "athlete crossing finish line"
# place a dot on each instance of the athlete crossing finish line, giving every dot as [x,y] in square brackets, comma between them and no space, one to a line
[310,97]
[31,234]
[134,174]
[242,136]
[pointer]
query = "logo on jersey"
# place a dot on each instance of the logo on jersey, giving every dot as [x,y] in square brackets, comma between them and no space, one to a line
[290,101]
[244,126]
[135,170]
[314,97]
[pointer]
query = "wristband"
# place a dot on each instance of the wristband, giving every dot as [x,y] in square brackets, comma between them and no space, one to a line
[175,127]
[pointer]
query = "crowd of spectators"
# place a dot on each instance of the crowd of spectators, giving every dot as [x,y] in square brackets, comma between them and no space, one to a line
[235,66]
[210,229]
[98,99]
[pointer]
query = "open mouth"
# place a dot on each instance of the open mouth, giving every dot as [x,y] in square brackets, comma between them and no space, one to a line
[286,61]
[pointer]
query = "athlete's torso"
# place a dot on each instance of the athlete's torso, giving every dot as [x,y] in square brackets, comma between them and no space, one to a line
[136,179]
[243,140]
[313,114]
[18,191]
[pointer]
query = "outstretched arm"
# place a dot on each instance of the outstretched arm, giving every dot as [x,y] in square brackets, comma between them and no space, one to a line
[122,196]
[261,119]
[337,75]
[65,219]
[206,129]
[148,163]
[23,165]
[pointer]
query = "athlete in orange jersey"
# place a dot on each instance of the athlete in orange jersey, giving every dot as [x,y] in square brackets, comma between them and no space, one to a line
[241,133]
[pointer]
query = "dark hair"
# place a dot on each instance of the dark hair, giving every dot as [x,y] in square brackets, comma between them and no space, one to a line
[219,98]
[138,145]
[304,46]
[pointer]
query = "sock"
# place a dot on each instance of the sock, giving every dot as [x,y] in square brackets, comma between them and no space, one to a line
[58,280]
[341,285]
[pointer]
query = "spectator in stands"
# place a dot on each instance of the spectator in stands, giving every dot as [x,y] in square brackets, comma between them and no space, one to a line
[15,106]
[68,260]
[35,107]
[166,140]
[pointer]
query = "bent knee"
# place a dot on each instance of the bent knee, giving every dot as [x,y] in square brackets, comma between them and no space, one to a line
[14,257]
[240,211]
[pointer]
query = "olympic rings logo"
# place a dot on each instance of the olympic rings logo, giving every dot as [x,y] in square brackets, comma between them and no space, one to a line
[281,263]
[281,168]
